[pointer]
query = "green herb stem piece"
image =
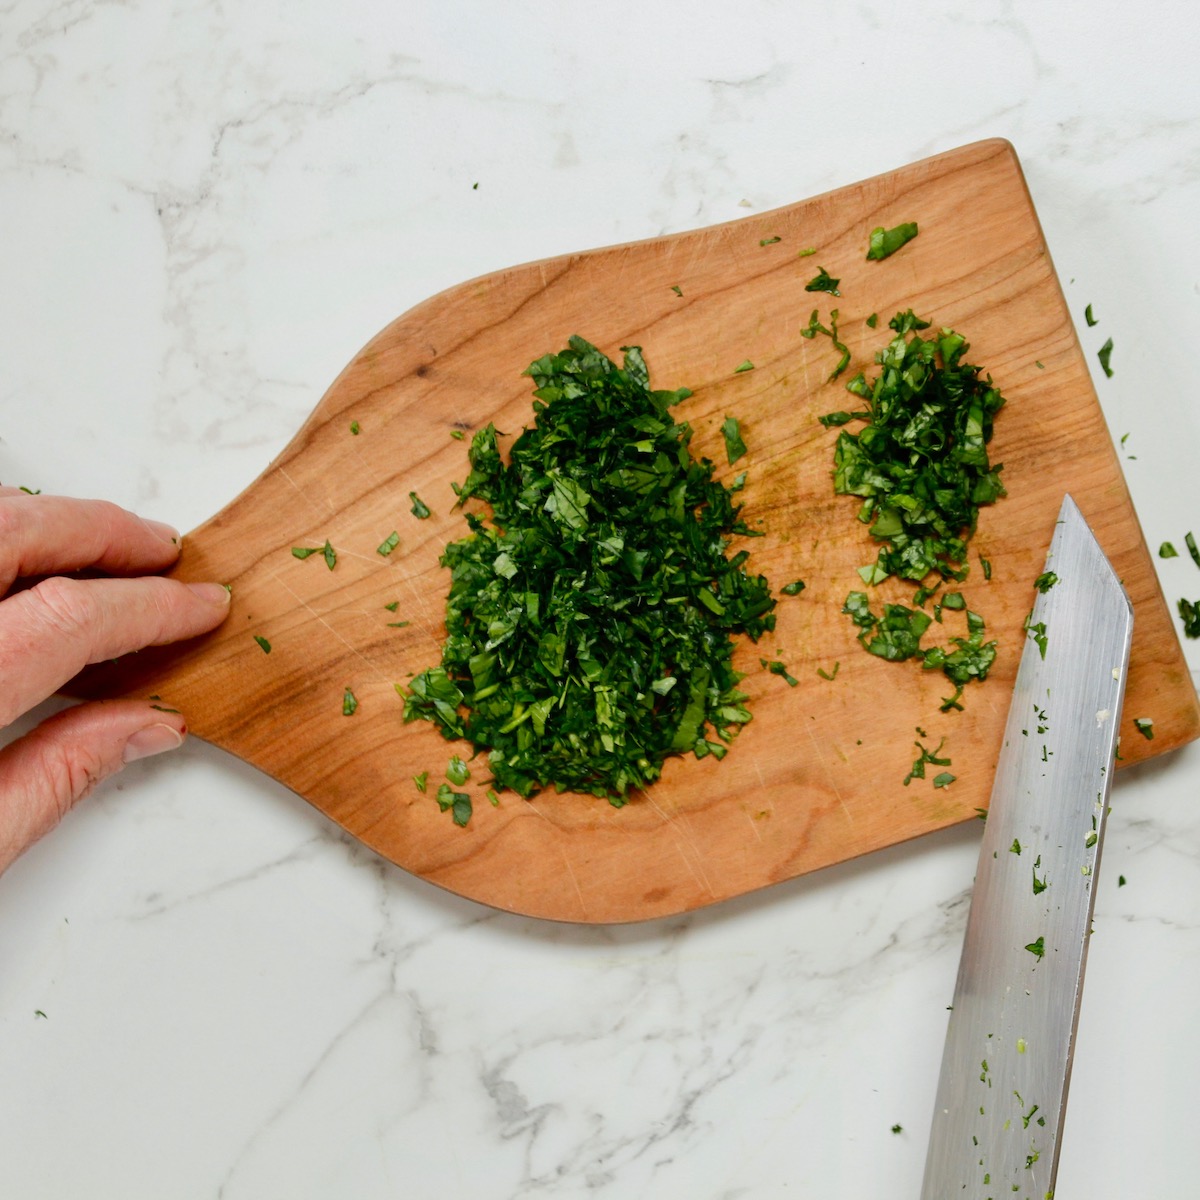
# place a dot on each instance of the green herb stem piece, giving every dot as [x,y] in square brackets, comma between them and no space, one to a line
[1087,313]
[794,588]
[389,543]
[263,643]
[1189,540]
[419,508]
[1166,550]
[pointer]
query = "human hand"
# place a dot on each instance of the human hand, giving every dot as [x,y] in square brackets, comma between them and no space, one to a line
[51,630]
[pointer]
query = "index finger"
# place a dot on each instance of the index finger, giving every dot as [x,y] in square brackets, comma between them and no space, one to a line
[47,535]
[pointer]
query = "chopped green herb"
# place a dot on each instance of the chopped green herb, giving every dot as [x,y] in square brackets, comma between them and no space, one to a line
[161,708]
[677,289]
[1189,610]
[330,555]
[1166,550]
[398,624]
[885,242]
[31,492]
[769,241]
[1044,582]
[491,795]
[1104,354]
[305,551]
[37,1012]
[354,427]
[421,780]
[897,1128]
[987,567]
[1039,885]
[262,641]
[807,252]
[841,417]
[1038,948]
[458,803]
[349,703]
[457,434]
[419,509]
[1040,366]
[778,668]
[794,588]
[945,779]
[954,600]
[1189,540]
[395,604]
[746,365]
[389,543]
[1015,848]
[1120,881]
[1087,313]
[734,446]
[815,327]
[590,617]
[921,463]
[823,282]
[458,772]
[1038,633]
[925,757]
[1144,726]
[831,676]
[872,320]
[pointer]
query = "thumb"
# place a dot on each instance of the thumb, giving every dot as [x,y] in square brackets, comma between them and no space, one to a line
[46,772]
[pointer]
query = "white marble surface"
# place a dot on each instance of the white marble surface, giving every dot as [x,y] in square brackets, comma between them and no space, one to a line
[206,209]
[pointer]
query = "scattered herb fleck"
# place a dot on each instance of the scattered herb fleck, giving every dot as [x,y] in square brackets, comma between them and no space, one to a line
[1189,540]
[794,588]
[807,252]
[458,772]
[30,492]
[349,703]
[1037,631]
[1015,848]
[395,604]
[1120,881]
[459,803]
[831,676]
[389,543]
[421,780]
[305,551]
[735,447]
[885,242]
[457,434]
[897,1128]
[823,282]
[37,1012]
[872,320]
[925,757]
[677,289]
[1145,726]
[769,241]
[419,508]
[1104,354]
[263,643]
[746,365]
[491,795]
[355,428]
[945,779]
[1087,313]
[1038,948]
[1044,582]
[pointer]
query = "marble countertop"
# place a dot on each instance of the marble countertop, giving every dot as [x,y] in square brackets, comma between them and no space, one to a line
[207,209]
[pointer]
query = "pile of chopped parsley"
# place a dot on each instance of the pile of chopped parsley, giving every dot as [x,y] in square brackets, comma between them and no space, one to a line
[921,465]
[590,619]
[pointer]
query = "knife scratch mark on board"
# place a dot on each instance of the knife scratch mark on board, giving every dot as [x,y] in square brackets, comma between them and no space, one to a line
[828,774]
[321,620]
[684,837]
[330,507]
[578,891]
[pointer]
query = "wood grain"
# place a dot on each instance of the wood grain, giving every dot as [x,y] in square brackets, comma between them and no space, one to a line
[816,778]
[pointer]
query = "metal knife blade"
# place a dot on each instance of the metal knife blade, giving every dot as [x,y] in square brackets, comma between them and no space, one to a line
[1006,1066]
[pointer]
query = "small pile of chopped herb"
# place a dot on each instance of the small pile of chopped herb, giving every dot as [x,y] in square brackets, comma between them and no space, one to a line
[920,461]
[590,619]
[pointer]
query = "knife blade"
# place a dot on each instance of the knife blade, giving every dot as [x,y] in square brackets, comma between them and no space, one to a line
[1006,1066]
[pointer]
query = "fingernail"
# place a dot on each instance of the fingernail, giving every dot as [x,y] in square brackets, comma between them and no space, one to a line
[216,593]
[164,531]
[154,739]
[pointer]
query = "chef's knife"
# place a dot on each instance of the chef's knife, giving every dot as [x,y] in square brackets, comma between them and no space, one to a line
[1006,1066]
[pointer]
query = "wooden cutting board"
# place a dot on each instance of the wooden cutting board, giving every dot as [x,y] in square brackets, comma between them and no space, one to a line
[816,778]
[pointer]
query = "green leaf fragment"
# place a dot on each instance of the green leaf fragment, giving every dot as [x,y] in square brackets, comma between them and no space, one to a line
[330,555]
[389,543]
[1189,540]
[419,509]
[1044,582]
[421,780]
[945,779]
[1104,354]
[263,643]
[823,282]
[1037,948]
[735,447]
[769,241]
[1144,726]
[349,703]
[458,772]
[1166,550]
[885,242]
[1189,611]
[745,365]
[794,588]
[1087,313]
